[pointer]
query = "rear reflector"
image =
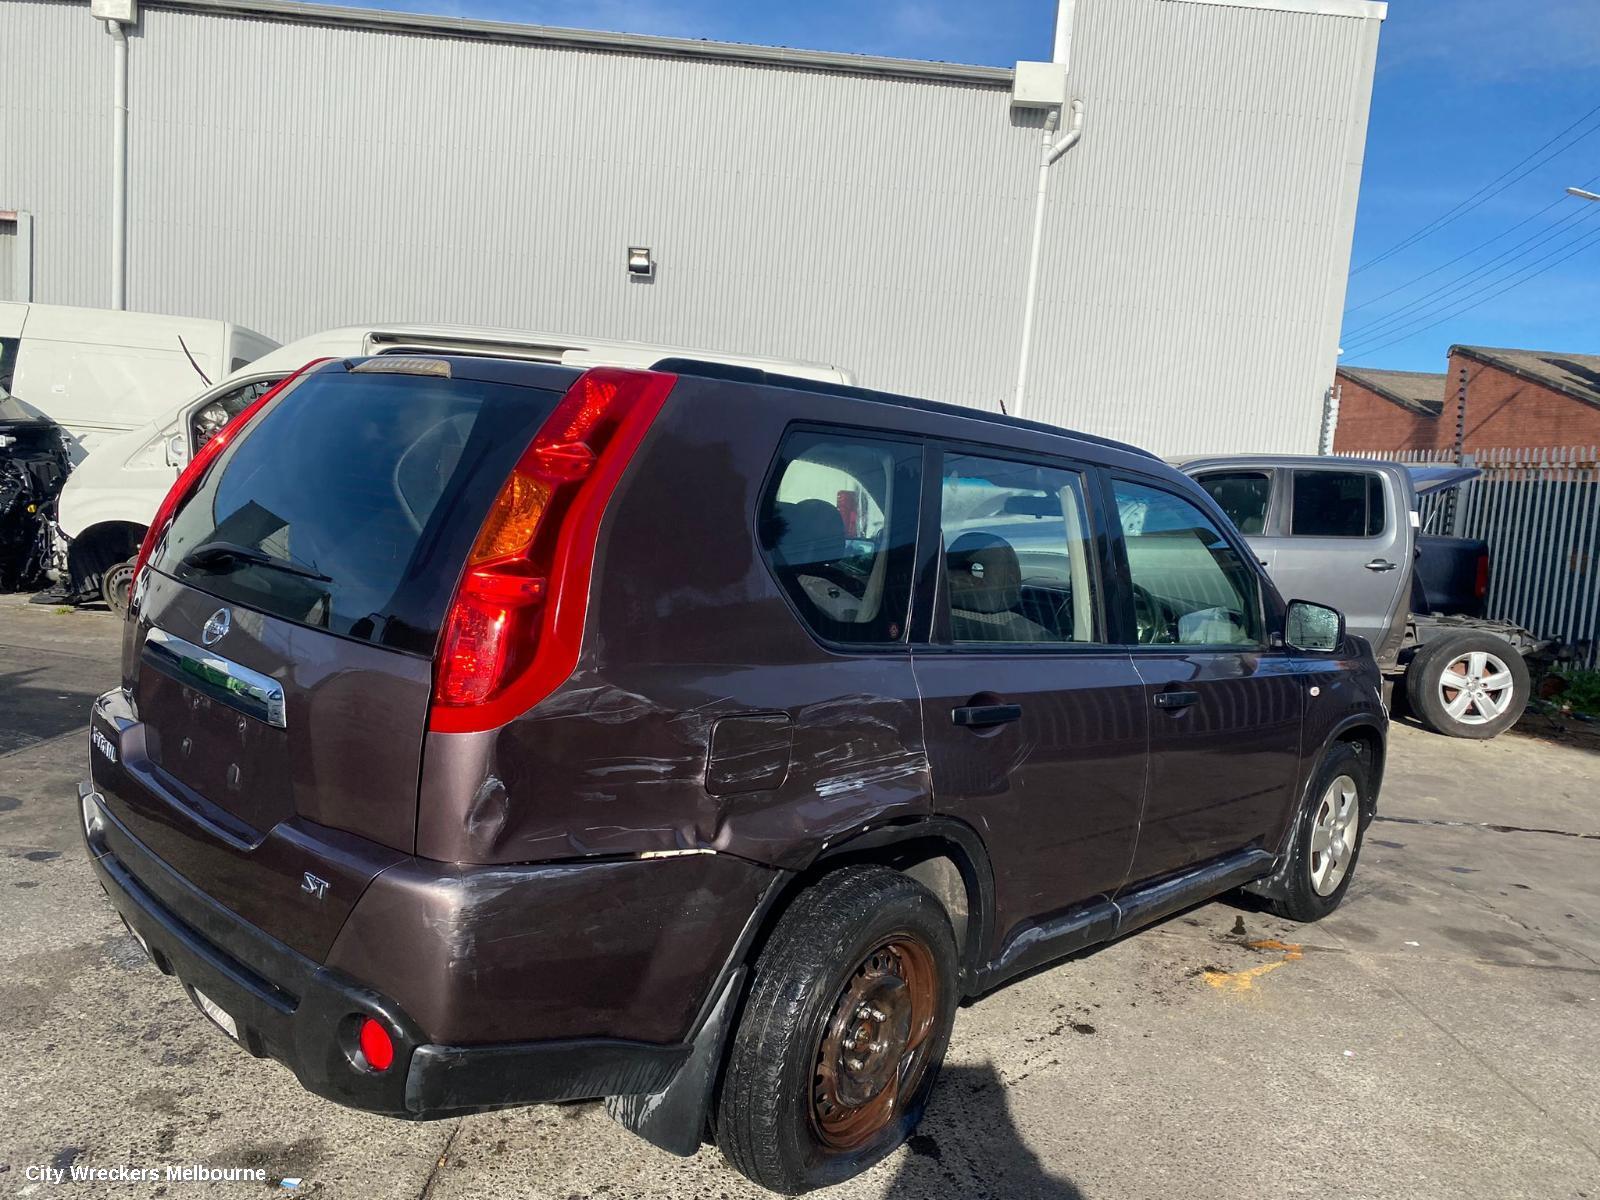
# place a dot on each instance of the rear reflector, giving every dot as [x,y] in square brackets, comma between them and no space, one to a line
[377,1047]
[189,480]
[1480,586]
[513,630]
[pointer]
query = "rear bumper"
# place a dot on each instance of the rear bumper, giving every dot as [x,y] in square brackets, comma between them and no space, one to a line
[305,1015]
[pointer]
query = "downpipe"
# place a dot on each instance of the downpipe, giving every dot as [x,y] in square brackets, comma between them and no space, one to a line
[119,165]
[1050,151]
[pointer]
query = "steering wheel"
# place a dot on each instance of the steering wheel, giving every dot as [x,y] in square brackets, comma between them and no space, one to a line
[1154,624]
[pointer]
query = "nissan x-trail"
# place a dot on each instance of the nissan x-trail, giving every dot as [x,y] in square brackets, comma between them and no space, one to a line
[494,733]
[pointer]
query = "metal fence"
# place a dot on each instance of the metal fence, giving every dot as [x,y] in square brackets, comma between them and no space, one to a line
[1539,510]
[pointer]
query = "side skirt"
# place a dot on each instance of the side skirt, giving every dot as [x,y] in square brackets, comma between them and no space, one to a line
[1102,920]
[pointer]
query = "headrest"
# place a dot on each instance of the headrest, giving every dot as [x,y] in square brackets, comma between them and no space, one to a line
[983,573]
[812,533]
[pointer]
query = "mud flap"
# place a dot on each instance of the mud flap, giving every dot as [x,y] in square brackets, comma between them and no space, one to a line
[674,1119]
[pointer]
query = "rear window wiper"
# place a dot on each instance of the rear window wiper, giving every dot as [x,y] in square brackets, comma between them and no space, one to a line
[210,555]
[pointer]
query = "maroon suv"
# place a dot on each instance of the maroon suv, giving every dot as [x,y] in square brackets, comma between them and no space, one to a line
[494,733]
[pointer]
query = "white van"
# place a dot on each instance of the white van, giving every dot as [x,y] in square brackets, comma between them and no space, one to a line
[112,496]
[99,372]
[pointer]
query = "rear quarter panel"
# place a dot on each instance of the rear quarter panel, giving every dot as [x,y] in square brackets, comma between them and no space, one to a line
[686,626]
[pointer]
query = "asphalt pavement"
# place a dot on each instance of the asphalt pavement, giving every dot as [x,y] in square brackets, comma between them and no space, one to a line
[1438,1036]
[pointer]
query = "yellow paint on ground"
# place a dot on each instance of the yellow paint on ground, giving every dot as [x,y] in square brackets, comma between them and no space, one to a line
[1291,950]
[1244,981]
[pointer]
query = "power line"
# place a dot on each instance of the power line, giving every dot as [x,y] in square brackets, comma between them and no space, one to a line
[1591,240]
[1465,254]
[1486,192]
[1573,246]
[1577,217]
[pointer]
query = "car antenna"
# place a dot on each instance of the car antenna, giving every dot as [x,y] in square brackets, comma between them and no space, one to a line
[192,362]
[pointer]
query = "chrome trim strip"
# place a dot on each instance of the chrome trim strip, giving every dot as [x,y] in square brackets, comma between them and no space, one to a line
[252,693]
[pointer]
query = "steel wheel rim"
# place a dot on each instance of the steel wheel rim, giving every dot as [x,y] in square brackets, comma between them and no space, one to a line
[1476,687]
[874,1049]
[118,584]
[1333,834]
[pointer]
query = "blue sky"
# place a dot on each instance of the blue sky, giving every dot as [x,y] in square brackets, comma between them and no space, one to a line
[1466,89]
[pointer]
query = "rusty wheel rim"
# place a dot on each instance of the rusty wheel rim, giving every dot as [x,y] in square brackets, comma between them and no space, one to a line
[874,1048]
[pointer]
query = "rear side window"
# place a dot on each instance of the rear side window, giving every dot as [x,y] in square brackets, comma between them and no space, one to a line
[1190,587]
[1243,495]
[352,501]
[1337,504]
[1019,561]
[838,526]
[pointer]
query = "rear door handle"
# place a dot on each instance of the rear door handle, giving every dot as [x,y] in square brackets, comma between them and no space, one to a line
[1176,699]
[979,716]
[1381,564]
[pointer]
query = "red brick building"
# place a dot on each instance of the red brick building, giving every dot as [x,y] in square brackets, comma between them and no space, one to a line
[1515,398]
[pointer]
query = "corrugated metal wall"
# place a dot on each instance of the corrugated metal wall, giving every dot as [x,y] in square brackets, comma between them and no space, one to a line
[292,176]
[1200,233]
[55,144]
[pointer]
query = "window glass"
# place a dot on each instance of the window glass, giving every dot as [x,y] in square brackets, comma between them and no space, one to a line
[1019,560]
[1243,495]
[351,502]
[1189,586]
[211,416]
[839,527]
[1337,504]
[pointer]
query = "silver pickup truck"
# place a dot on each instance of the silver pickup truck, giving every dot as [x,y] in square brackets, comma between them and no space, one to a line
[1347,532]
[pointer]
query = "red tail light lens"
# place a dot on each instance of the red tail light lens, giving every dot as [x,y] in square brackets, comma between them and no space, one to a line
[377,1047]
[514,628]
[189,479]
[1480,586]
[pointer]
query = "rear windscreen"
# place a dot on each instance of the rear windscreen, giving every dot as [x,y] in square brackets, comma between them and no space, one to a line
[351,502]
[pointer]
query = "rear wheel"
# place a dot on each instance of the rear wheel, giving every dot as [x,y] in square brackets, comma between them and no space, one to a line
[1468,685]
[841,1039]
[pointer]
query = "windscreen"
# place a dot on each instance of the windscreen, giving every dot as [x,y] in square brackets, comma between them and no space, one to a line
[351,502]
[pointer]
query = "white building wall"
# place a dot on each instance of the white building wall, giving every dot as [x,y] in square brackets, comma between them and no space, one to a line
[1200,233]
[292,174]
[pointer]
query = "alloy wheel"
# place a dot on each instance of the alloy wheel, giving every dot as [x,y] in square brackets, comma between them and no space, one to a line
[1333,834]
[1476,688]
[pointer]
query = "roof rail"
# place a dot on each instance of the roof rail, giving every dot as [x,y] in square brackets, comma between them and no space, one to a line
[724,371]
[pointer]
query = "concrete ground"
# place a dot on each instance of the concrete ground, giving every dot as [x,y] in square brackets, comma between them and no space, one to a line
[1438,1036]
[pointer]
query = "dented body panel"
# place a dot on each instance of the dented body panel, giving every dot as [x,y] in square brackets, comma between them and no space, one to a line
[687,631]
[620,949]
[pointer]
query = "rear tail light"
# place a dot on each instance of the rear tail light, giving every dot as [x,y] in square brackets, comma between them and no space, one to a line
[513,630]
[189,479]
[1480,585]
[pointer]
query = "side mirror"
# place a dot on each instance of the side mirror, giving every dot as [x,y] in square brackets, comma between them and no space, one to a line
[1314,627]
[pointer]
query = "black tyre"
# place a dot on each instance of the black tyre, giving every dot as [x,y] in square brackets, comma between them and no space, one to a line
[1327,837]
[1468,685]
[116,584]
[847,1021]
